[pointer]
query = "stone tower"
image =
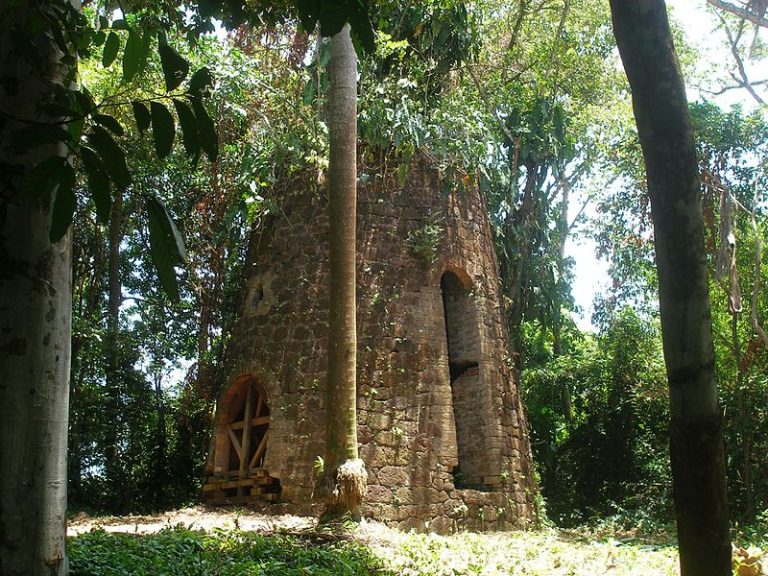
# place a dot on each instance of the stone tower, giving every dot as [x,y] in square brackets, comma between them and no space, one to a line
[441,427]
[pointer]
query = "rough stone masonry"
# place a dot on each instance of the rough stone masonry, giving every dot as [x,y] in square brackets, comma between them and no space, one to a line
[441,427]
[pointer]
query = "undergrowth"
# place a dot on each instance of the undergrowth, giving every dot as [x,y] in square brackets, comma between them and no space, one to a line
[182,552]
[610,546]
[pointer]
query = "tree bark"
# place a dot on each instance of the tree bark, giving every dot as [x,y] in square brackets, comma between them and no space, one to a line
[113,468]
[343,485]
[661,111]
[35,322]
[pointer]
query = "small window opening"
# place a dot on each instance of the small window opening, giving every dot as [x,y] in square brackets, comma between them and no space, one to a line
[257,295]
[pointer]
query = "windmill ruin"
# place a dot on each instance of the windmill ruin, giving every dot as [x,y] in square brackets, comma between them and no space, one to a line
[441,427]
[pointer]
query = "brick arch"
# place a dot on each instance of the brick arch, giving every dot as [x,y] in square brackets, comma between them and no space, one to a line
[461,275]
[233,398]
[464,278]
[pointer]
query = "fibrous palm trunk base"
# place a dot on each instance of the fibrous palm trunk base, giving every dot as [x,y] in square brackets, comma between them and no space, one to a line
[342,490]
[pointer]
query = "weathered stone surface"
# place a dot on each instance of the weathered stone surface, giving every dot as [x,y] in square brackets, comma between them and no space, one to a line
[434,390]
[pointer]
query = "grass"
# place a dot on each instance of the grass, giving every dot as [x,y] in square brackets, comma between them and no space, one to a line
[234,542]
[375,551]
[183,552]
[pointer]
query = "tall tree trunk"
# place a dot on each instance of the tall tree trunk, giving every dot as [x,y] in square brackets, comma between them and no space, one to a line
[557,319]
[661,111]
[343,485]
[113,468]
[519,237]
[745,425]
[161,479]
[35,322]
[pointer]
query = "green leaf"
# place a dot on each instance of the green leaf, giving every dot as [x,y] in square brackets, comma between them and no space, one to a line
[84,100]
[111,47]
[163,129]
[75,129]
[209,140]
[98,183]
[99,38]
[142,116]
[112,156]
[166,246]
[308,95]
[146,45]
[201,82]
[109,122]
[175,67]
[120,25]
[63,204]
[133,56]
[189,130]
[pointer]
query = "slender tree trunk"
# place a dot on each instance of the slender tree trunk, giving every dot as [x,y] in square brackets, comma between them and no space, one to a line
[75,457]
[113,468]
[35,321]
[557,319]
[661,111]
[745,426]
[519,230]
[343,485]
[161,479]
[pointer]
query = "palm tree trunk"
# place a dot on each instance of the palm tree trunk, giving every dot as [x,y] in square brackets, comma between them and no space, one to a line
[343,485]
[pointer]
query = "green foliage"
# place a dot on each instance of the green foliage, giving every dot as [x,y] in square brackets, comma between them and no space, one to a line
[598,417]
[80,35]
[166,246]
[178,551]
[169,357]
[731,147]
[163,129]
[424,241]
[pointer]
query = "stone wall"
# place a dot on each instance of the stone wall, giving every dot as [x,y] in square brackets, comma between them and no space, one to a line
[438,457]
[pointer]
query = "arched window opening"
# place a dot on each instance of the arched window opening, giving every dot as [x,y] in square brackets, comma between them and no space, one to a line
[463,337]
[248,423]
[242,431]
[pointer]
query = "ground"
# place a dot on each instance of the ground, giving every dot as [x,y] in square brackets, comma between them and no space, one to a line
[547,552]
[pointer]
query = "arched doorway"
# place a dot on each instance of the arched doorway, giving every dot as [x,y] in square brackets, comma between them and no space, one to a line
[247,427]
[462,332]
[240,445]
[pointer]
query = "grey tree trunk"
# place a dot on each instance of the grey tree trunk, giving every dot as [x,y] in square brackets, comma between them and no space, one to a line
[344,481]
[113,469]
[661,111]
[35,318]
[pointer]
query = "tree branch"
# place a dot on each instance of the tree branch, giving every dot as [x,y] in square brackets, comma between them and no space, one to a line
[744,79]
[756,285]
[739,11]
